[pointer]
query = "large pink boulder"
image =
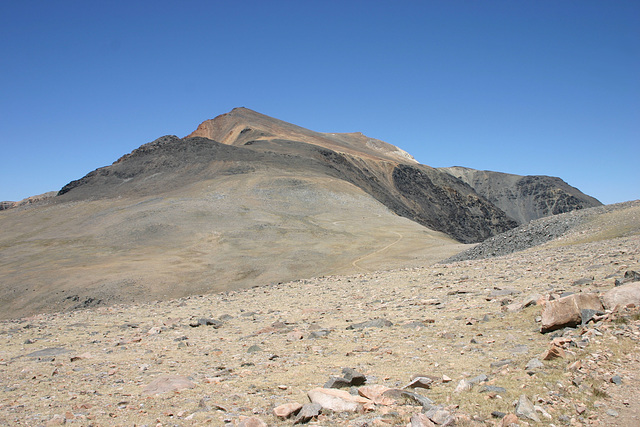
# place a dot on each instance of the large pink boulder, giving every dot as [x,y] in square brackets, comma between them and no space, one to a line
[567,311]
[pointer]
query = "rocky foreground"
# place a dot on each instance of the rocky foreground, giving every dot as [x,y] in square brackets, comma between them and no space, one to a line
[451,344]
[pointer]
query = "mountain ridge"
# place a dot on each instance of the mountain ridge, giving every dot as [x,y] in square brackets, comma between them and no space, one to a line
[524,198]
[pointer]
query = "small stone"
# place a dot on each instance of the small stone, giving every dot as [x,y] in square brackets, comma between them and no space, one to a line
[554,352]
[525,409]
[318,334]
[420,382]
[533,364]
[446,379]
[403,397]
[616,379]
[337,382]
[574,366]
[295,335]
[440,416]
[353,377]
[307,413]
[376,323]
[580,409]
[154,331]
[588,315]
[287,410]
[492,389]
[252,422]
[254,349]
[420,420]
[501,363]
[82,356]
[478,379]
[463,385]
[612,412]
[531,300]
[508,420]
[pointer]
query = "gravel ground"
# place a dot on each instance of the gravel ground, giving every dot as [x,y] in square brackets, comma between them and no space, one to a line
[271,345]
[536,233]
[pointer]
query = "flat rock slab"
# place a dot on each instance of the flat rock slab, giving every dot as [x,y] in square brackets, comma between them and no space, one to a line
[167,383]
[376,323]
[48,352]
[375,393]
[337,400]
[287,410]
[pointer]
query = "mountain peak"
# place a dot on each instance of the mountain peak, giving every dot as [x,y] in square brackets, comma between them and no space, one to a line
[242,125]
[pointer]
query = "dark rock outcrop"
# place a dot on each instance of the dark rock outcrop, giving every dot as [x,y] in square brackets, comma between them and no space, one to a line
[524,198]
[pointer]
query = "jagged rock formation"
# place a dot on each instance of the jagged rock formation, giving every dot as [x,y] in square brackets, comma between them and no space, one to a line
[524,198]
[246,142]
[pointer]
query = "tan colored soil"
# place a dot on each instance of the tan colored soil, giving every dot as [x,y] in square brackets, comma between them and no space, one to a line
[113,353]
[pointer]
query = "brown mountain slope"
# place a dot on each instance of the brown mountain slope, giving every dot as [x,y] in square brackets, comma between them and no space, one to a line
[254,142]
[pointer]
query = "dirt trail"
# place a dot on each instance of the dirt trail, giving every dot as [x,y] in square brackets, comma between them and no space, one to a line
[376,252]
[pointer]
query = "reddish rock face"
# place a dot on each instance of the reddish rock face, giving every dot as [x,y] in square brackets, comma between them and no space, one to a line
[566,311]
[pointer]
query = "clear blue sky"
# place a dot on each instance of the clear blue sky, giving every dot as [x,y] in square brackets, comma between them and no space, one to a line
[524,87]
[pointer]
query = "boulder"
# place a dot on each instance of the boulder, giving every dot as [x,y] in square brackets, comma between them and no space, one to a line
[567,311]
[287,410]
[622,295]
[337,400]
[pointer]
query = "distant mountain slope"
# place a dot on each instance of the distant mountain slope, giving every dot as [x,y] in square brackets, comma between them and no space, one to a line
[245,200]
[253,142]
[524,198]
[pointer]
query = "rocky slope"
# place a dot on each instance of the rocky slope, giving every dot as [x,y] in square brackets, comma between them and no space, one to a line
[448,344]
[524,198]
[543,230]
